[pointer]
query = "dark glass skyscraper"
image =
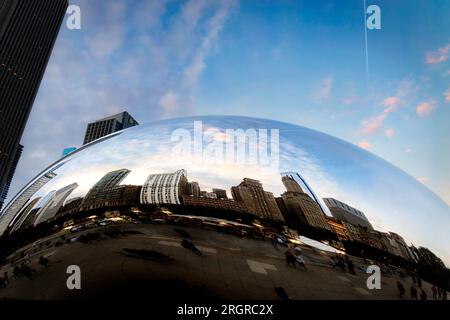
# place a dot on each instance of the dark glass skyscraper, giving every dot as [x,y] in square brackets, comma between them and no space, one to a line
[28,30]
[105,126]
[5,189]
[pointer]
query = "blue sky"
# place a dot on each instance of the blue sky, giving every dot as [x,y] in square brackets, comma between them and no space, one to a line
[297,61]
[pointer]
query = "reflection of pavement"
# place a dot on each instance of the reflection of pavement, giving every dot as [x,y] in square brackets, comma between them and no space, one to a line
[153,262]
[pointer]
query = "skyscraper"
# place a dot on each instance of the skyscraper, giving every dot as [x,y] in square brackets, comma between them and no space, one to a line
[4,192]
[299,206]
[108,125]
[28,30]
[344,212]
[289,180]
[165,188]
[108,181]
[251,194]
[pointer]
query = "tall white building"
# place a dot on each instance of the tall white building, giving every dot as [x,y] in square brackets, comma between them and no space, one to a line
[164,188]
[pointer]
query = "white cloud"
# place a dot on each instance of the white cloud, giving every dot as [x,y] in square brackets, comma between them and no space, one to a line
[117,63]
[324,90]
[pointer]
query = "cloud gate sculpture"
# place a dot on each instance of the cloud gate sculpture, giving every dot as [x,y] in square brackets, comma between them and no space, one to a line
[216,207]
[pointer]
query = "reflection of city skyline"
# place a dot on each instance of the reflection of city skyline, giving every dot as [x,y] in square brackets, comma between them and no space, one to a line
[296,207]
[333,168]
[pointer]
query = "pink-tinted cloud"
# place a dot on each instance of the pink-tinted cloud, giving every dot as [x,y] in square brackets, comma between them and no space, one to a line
[389,133]
[391,101]
[365,145]
[425,108]
[438,56]
[373,124]
[404,94]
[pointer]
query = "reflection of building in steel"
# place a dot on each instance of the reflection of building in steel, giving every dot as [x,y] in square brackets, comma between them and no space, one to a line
[221,204]
[70,207]
[108,181]
[251,194]
[405,250]
[221,193]
[289,180]
[344,212]
[14,207]
[353,232]
[206,194]
[110,197]
[339,228]
[29,220]
[24,214]
[56,201]
[164,188]
[193,189]
[300,208]
[103,127]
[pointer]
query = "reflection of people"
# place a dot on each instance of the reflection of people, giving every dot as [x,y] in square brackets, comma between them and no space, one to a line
[413,292]
[333,262]
[423,295]
[341,264]
[350,266]
[434,290]
[188,244]
[401,289]
[274,241]
[43,261]
[299,258]
[290,258]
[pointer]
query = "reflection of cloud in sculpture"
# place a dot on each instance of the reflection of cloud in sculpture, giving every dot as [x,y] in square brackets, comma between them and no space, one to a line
[332,168]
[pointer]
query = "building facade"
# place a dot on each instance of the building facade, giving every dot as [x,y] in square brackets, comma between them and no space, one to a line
[305,209]
[344,212]
[51,208]
[108,181]
[339,228]
[8,216]
[218,203]
[108,125]
[4,191]
[164,188]
[257,201]
[28,31]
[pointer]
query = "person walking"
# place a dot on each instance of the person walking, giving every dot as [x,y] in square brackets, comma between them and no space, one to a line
[299,258]
[423,295]
[290,258]
[413,292]
[434,290]
[401,289]
[350,266]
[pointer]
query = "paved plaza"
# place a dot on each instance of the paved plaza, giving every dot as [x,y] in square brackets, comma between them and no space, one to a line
[136,261]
